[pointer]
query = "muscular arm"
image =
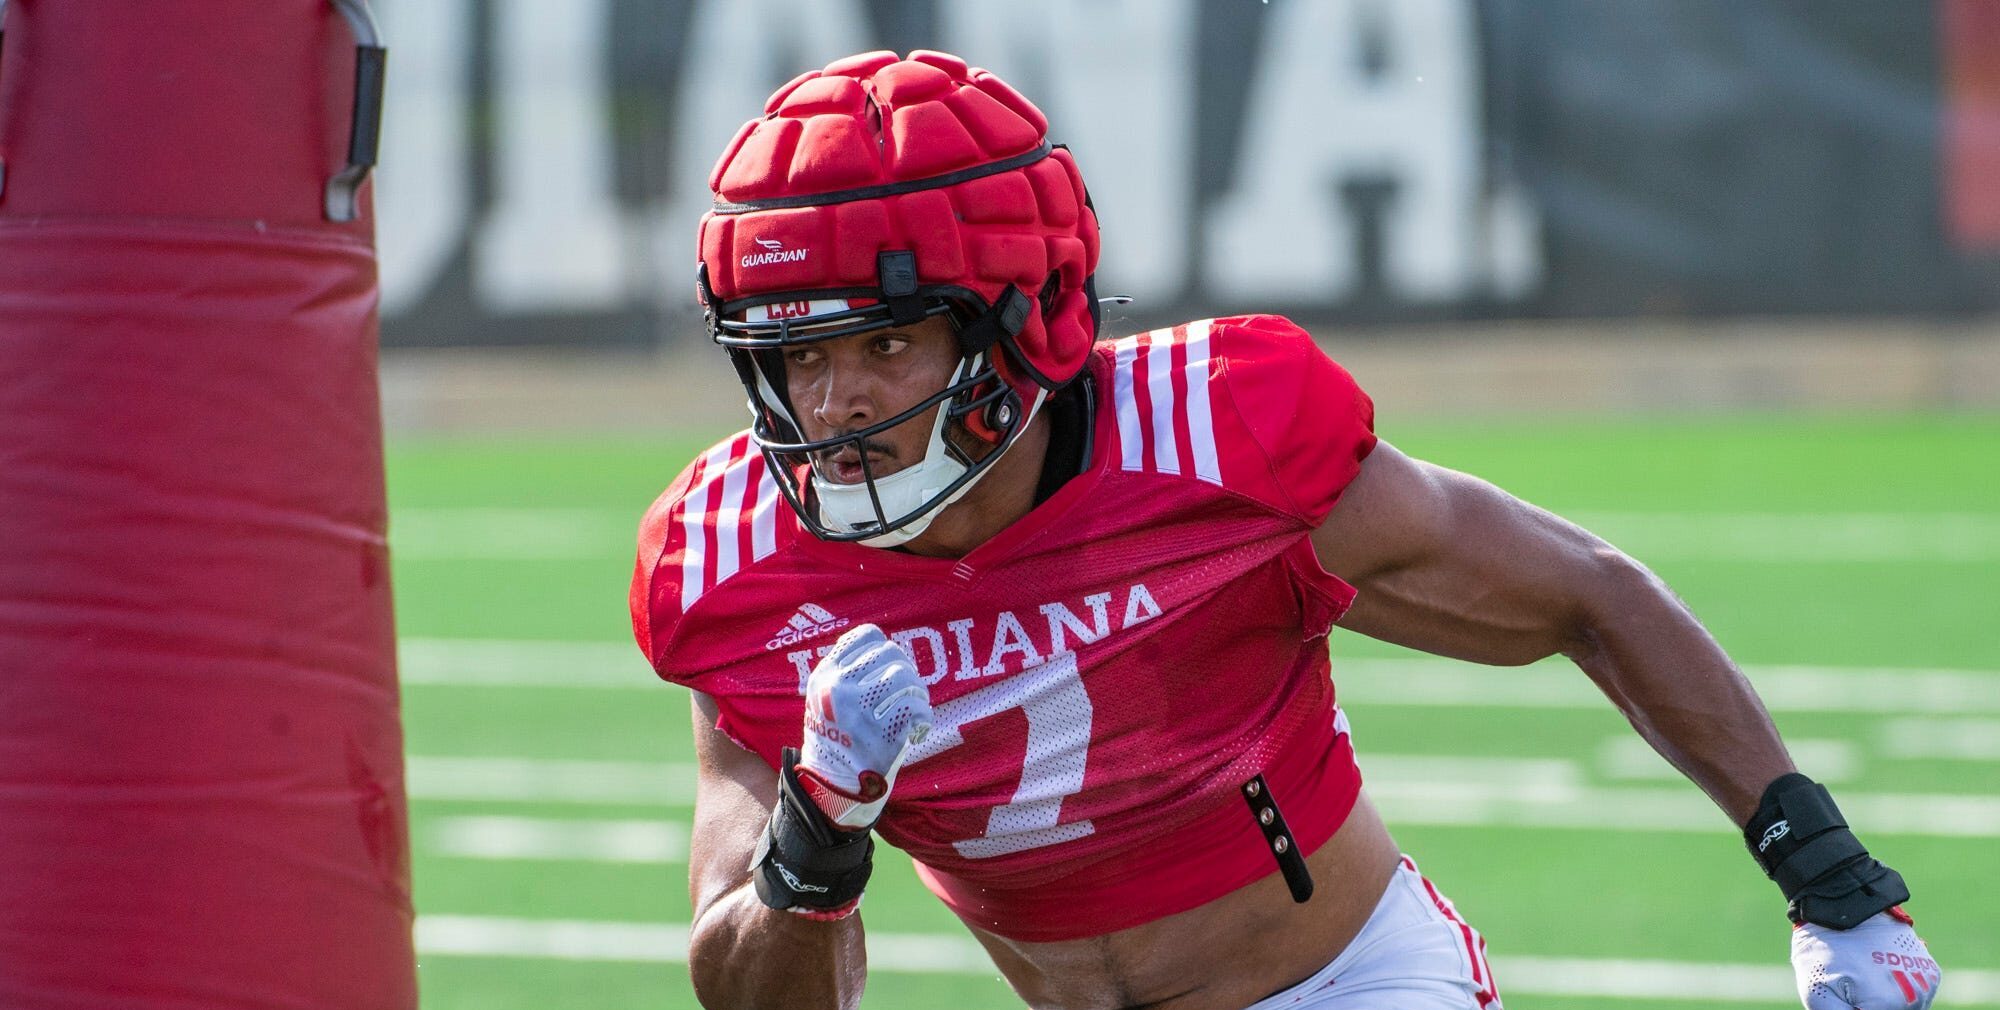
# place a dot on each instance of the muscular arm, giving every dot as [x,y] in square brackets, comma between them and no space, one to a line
[743,954]
[1452,565]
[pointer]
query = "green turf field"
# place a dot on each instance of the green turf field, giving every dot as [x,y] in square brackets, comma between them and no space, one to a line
[1852,565]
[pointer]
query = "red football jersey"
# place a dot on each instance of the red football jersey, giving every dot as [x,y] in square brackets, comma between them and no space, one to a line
[1106,672]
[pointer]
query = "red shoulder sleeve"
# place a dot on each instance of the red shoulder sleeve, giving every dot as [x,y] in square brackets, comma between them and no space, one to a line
[1310,423]
[717,520]
[654,533]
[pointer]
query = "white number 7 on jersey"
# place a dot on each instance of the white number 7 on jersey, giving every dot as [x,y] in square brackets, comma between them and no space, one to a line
[1052,697]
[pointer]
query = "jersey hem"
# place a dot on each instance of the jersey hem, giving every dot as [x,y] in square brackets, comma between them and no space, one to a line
[1315,786]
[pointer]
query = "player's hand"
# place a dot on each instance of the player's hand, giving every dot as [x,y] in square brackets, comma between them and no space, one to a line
[1881,963]
[866,707]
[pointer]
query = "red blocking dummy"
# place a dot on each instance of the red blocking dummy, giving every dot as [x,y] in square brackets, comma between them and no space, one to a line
[201,780]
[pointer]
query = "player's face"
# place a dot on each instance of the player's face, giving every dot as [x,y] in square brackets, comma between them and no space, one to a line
[845,384]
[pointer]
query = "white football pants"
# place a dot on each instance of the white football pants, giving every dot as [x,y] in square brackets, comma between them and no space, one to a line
[1415,953]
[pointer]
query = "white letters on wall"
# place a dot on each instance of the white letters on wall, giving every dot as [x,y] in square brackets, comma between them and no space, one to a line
[1318,118]
[422,189]
[554,240]
[1116,80]
[738,52]
[1116,77]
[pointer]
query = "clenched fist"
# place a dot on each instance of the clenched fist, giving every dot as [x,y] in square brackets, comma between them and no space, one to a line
[1879,964]
[866,707]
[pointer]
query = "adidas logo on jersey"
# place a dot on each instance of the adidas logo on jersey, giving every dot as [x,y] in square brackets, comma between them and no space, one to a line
[810,622]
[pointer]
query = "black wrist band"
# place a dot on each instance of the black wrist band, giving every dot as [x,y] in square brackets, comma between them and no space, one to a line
[1802,842]
[804,858]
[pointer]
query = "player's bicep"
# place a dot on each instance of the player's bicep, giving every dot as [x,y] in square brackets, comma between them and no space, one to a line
[734,793]
[1449,564]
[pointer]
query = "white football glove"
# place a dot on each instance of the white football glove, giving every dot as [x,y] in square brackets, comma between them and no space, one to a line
[1877,965]
[866,707]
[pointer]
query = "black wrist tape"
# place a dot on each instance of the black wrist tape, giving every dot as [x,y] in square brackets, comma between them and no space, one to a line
[805,859]
[1801,840]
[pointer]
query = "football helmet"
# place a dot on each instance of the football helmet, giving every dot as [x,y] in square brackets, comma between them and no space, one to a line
[882,191]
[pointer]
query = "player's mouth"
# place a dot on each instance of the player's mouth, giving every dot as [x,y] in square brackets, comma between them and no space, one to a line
[843,465]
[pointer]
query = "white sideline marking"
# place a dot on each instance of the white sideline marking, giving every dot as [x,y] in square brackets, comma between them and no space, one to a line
[485,662]
[666,943]
[1800,537]
[541,780]
[1411,789]
[623,841]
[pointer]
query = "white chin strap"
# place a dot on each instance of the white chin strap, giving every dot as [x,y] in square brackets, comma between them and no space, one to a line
[845,508]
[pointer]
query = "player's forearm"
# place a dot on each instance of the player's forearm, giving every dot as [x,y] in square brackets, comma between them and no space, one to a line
[746,956]
[1671,679]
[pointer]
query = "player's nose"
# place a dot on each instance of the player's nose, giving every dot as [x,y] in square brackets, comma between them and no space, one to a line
[846,394]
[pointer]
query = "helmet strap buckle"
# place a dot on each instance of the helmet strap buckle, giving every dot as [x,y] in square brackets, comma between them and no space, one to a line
[897,270]
[1005,319]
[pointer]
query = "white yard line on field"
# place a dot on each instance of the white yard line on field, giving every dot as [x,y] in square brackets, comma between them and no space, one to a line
[1434,802]
[550,939]
[536,534]
[661,942]
[1628,756]
[1428,789]
[1951,739]
[1607,978]
[543,838]
[506,662]
[511,534]
[482,662]
[1784,688]
[541,780]
[1800,537]
[1413,789]
[666,943]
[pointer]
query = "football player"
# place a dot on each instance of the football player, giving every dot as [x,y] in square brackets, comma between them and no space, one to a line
[1051,614]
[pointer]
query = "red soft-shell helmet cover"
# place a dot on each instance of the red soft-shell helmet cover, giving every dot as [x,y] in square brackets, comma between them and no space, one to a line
[905,153]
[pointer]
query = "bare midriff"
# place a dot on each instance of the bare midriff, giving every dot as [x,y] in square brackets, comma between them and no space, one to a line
[1223,955]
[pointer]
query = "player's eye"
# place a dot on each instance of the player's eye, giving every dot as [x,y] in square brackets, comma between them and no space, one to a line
[890,344]
[803,356]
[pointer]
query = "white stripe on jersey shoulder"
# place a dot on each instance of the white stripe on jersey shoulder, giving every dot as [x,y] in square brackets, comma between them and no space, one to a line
[1167,369]
[732,490]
